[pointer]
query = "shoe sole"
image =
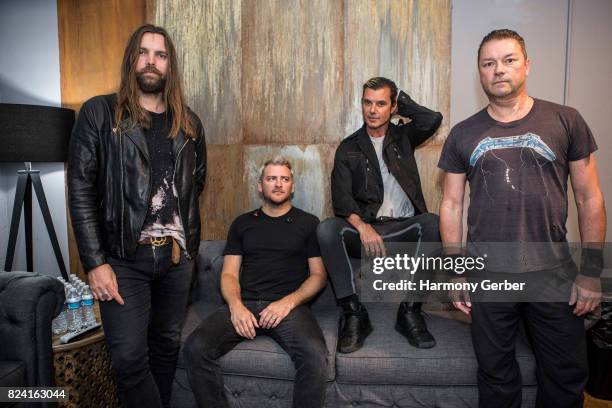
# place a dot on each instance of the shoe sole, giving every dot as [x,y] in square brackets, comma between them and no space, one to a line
[426,345]
[347,350]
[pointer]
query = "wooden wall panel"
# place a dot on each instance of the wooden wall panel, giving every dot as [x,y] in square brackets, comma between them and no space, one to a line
[92,37]
[405,40]
[224,194]
[207,36]
[431,176]
[292,71]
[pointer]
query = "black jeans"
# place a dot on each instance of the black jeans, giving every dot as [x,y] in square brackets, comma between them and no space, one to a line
[143,336]
[559,344]
[298,334]
[339,241]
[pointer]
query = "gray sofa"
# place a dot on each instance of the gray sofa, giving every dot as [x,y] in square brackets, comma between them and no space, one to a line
[28,304]
[386,372]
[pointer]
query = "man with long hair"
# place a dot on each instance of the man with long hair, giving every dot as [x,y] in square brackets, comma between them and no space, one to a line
[136,167]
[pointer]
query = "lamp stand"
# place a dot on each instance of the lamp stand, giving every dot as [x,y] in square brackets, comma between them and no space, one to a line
[23,199]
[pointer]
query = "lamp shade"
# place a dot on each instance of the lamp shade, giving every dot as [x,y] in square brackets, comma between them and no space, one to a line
[30,133]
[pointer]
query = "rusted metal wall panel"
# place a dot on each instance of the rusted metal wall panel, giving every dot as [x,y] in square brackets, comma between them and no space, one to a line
[224,194]
[405,40]
[292,71]
[272,77]
[207,35]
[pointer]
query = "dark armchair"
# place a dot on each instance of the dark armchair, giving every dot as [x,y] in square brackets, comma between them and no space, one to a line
[28,304]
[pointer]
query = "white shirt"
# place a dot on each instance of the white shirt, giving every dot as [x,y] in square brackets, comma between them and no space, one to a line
[395,203]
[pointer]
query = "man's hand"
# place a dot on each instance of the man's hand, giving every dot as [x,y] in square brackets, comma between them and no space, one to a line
[244,321]
[461,298]
[586,294]
[275,312]
[372,241]
[103,284]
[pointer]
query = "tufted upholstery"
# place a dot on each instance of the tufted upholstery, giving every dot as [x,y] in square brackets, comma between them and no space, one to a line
[28,304]
[386,372]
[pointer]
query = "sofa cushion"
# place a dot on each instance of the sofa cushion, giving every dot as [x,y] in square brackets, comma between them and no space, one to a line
[263,357]
[387,358]
[12,374]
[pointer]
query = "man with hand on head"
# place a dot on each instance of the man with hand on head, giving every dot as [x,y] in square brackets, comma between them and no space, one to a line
[272,268]
[136,168]
[517,154]
[377,198]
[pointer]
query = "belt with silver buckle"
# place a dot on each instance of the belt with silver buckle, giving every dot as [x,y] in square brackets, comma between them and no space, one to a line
[156,241]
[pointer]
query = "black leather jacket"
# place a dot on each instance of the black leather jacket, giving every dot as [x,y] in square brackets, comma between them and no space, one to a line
[109,183]
[356,181]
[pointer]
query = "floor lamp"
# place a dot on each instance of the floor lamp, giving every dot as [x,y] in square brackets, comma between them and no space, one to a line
[29,134]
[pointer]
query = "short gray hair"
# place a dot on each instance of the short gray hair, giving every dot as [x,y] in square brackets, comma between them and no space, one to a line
[276,161]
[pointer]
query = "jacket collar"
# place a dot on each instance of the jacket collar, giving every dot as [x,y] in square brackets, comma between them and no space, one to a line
[136,135]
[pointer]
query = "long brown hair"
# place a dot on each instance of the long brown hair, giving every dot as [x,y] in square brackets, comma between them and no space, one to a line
[127,97]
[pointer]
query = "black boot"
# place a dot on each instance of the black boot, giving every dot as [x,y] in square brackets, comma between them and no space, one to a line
[355,326]
[410,324]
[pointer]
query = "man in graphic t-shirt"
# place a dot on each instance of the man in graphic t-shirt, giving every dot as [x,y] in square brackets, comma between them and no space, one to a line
[517,154]
[272,268]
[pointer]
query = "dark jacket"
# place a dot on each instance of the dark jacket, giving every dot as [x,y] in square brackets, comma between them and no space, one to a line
[356,181]
[109,183]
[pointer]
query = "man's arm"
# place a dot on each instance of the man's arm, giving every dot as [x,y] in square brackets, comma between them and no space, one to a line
[243,320]
[341,186]
[272,315]
[371,240]
[424,121]
[451,223]
[346,206]
[83,167]
[586,291]
[82,180]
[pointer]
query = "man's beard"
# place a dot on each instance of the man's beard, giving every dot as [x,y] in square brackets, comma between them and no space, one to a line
[274,202]
[149,85]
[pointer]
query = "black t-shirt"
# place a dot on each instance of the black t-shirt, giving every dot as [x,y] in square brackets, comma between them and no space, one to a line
[518,173]
[162,216]
[274,250]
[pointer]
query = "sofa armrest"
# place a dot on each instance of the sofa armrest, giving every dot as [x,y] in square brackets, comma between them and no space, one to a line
[28,304]
[207,282]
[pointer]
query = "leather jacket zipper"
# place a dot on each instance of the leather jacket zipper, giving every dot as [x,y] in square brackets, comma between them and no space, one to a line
[178,198]
[122,182]
[367,174]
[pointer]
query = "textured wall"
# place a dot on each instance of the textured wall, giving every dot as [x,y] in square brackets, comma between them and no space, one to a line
[269,77]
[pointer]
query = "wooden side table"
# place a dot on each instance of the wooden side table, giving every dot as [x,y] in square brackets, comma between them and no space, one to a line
[84,368]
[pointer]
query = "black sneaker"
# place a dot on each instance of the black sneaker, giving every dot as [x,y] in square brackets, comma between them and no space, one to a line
[411,324]
[354,327]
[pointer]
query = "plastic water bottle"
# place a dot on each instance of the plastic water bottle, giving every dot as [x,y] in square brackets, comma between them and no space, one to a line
[87,307]
[59,325]
[74,310]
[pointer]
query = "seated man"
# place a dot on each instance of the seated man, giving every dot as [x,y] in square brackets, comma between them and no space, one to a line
[377,197]
[276,247]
